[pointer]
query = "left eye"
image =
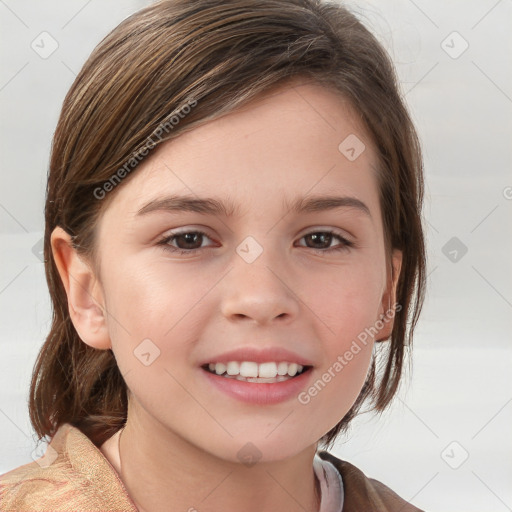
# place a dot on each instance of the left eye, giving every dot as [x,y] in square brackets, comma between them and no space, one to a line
[189,242]
[324,239]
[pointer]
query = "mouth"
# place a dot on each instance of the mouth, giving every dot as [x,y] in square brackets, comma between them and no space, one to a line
[250,371]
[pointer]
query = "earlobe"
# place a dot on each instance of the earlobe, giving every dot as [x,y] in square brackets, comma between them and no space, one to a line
[85,297]
[388,304]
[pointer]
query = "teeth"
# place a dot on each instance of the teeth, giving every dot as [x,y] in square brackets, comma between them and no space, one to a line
[220,368]
[292,369]
[279,378]
[268,370]
[250,370]
[282,368]
[233,368]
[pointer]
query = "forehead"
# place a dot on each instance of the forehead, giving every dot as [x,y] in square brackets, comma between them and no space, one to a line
[286,143]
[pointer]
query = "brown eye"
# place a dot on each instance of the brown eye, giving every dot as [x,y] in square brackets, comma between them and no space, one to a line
[189,240]
[186,242]
[321,241]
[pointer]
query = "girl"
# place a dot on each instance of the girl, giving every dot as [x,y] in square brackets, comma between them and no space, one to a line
[234,252]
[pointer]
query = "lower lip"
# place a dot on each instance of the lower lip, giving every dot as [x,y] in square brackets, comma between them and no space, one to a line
[255,393]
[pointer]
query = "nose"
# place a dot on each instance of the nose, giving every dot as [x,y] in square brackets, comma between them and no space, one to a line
[261,292]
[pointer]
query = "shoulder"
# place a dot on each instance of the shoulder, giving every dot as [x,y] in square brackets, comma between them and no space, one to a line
[363,493]
[72,475]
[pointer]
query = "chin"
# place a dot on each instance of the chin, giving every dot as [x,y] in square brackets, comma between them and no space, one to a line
[257,446]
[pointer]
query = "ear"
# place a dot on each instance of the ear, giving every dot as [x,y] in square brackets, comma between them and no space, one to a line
[83,289]
[387,308]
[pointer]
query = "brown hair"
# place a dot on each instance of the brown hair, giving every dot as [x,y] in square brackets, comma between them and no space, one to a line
[219,54]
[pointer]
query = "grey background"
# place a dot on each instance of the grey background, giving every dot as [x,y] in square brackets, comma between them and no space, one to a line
[457,402]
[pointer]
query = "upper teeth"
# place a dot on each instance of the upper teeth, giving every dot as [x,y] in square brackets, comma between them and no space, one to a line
[251,369]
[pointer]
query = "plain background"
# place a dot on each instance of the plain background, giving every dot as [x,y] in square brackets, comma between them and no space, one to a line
[445,443]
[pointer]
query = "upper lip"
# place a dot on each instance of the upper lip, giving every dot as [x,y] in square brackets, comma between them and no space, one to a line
[274,354]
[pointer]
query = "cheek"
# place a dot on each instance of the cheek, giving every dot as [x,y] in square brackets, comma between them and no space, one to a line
[148,302]
[345,299]
[155,316]
[334,388]
[347,306]
[154,300]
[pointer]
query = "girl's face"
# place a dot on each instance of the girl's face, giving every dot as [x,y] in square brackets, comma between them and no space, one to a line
[221,241]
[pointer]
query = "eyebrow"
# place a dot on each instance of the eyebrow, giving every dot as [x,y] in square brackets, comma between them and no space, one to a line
[212,206]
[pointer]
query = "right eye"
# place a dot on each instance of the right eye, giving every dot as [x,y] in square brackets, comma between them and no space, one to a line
[187,242]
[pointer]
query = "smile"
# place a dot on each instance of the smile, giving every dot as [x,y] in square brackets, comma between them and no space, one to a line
[251,371]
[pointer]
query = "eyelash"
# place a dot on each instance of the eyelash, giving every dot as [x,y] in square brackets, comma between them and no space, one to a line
[164,242]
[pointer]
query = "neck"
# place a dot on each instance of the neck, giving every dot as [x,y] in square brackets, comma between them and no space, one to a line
[163,468]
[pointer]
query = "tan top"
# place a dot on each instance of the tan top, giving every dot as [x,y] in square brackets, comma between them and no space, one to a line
[74,475]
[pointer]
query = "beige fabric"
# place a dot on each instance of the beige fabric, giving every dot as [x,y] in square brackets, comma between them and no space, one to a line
[79,479]
[75,475]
